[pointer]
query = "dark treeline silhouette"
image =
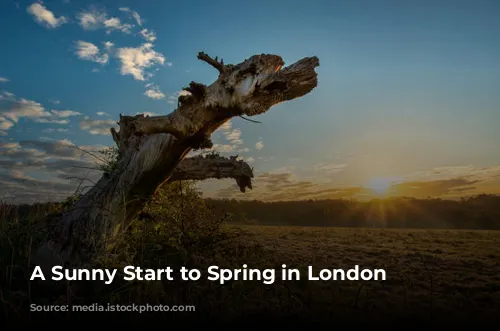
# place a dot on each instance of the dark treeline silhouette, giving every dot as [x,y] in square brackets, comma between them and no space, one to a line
[479,212]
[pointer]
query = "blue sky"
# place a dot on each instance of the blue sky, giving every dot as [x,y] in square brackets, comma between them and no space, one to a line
[408,94]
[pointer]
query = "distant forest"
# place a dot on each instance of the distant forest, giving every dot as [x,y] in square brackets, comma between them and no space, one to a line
[479,212]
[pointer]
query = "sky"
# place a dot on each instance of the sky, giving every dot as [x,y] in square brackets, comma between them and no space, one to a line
[407,103]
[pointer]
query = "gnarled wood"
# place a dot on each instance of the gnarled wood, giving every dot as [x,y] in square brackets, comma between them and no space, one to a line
[152,148]
[214,166]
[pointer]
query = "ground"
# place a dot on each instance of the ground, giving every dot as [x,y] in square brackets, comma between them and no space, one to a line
[430,273]
[433,276]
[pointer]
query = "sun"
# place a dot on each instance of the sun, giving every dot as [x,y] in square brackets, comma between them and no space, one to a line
[379,185]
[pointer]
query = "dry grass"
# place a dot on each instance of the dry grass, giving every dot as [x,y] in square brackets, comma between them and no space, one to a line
[429,272]
[433,275]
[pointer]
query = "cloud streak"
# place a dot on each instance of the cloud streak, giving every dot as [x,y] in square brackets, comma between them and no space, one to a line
[61,166]
[154,93]
[45,17]
[445,182]
[134,14]
[97,127]
[90,52]
[94,19]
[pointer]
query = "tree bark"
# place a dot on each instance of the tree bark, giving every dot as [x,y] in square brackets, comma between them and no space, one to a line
[152,151]
[214,166]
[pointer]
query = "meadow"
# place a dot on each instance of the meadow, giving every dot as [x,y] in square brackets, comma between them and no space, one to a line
[430,273]
[434,276]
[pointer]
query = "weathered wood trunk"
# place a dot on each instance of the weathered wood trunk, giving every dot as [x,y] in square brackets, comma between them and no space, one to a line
[152,151]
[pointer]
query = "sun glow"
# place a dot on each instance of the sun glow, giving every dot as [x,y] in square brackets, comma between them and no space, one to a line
[379,185]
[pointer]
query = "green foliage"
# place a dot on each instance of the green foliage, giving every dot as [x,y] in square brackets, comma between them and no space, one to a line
[180,208]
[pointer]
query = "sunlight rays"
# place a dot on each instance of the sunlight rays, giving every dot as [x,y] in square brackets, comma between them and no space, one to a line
[380,185]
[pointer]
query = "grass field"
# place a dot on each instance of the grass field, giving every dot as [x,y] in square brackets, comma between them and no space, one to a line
[432,273]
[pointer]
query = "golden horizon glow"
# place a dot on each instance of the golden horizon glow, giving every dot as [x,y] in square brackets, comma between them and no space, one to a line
[379,185]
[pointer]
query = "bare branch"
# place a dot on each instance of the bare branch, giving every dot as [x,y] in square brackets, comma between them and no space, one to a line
[249,120]
[213,62]
[214,166]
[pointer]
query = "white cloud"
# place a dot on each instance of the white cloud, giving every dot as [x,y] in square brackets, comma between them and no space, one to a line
[7,96]
[65,113]
[259,145]
[234,136]
[51,121]
[3,80]
[226,126]
[91,19]
[136,60]
[469,172]
[147,114]
[45,17]
[97,126]
[10,145]
[172,100]
[108,44]
[134,14]
[56,161]
[101,113]
[28,109]
[222,148]
[5,124]
[154,93]
[49,130]
[90,52]
[329,168]
[25,108]
[148,35]
[250,159]
[17,174]
[183,92]
[114,23]
[94,18]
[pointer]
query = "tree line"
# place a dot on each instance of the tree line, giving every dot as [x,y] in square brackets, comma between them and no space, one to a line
[478,212]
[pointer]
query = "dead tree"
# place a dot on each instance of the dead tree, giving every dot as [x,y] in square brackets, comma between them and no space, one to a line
[152,151]
[214,166]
